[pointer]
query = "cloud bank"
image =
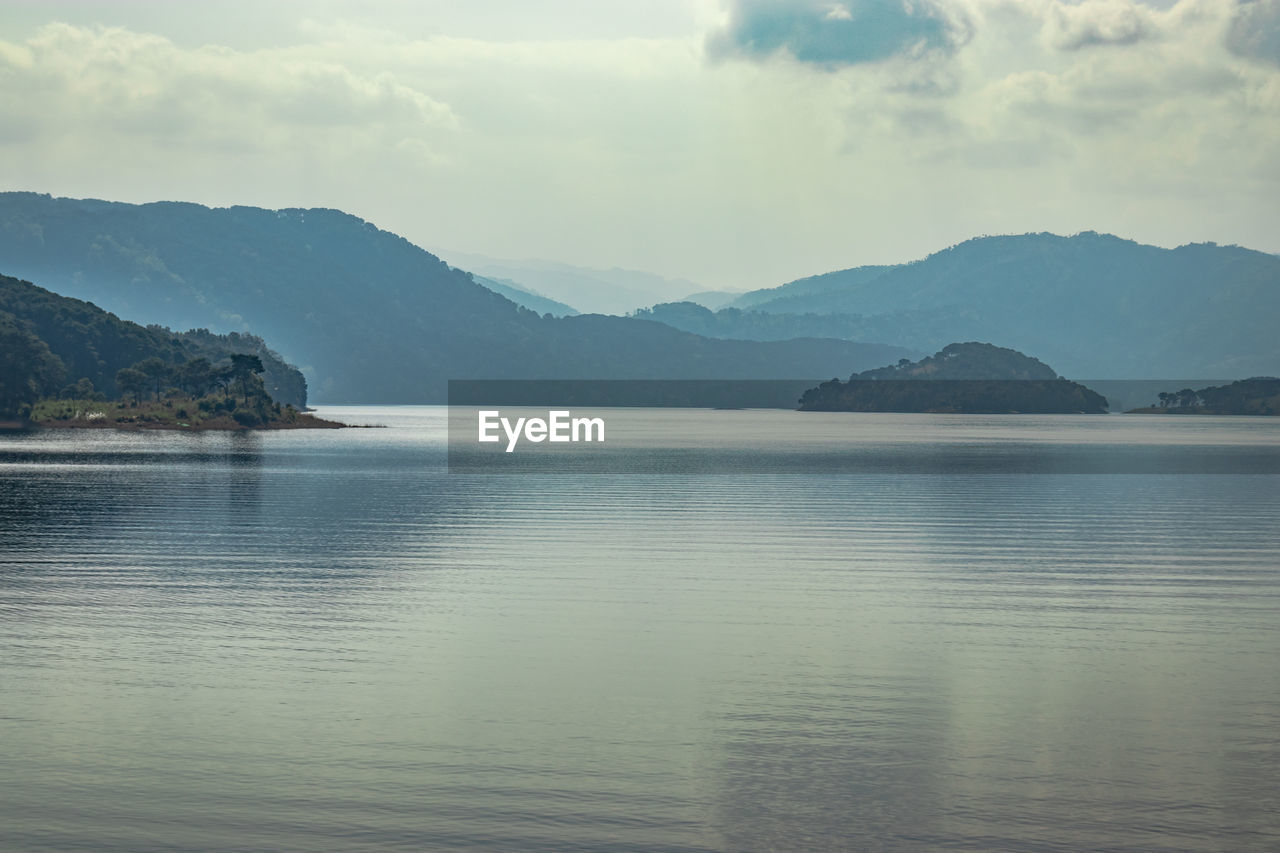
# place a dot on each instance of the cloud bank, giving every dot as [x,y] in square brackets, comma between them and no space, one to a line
[110,84]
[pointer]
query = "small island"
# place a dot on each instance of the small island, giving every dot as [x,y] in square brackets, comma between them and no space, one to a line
[1259,395]
[962,378]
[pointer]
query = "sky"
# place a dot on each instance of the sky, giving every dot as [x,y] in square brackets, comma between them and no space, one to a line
[737,143]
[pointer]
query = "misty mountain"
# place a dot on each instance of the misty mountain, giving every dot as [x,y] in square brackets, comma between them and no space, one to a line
[1092,304]
[368,316]
[791,298]
[755,325]
[594,291]
[713,299]
[525,298]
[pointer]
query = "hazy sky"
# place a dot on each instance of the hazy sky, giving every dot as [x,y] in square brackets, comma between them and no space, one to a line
[740,143]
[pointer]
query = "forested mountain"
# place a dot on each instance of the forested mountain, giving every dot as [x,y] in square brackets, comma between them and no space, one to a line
[1092,304]
[56,340]
[367,315]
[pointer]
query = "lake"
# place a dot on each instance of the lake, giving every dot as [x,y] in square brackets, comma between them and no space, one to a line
[325,640]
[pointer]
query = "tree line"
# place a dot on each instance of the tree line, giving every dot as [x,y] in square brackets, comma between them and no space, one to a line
[1259,395]
[195,378]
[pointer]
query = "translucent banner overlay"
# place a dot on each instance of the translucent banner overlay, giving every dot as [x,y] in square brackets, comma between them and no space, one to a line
[733,427]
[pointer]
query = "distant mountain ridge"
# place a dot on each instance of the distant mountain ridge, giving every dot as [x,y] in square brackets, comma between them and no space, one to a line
[780,298]
[591,291]
[1091,304]
[367,315]
[756,325]
[525,298]
[712,299]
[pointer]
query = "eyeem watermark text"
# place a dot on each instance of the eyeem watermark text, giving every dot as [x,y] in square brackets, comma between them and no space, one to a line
[559,426]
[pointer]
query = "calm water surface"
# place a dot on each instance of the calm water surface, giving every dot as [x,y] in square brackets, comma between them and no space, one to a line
[306,641]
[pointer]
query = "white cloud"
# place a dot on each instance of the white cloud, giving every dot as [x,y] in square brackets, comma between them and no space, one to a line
[1099,23]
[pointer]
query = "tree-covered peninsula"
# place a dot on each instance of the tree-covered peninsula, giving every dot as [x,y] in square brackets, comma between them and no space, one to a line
[65,362]
[970,378]
[1257,396]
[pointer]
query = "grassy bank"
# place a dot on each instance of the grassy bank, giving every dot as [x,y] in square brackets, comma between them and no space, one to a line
[179,414]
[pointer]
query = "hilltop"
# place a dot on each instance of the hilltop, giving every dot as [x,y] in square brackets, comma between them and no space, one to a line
[967,378]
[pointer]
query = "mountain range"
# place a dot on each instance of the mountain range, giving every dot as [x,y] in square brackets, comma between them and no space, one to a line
[370,317]
[1094,305]
[366,315]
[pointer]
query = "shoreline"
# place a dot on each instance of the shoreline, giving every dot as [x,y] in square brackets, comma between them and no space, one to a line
[303,422]
[218,425]
[1181,412]
[175,414]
